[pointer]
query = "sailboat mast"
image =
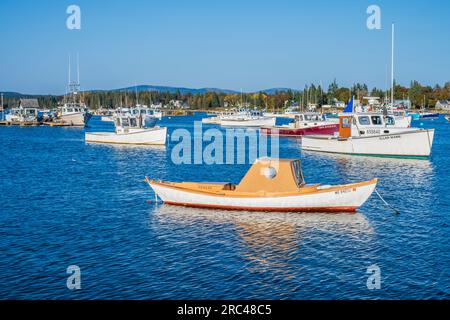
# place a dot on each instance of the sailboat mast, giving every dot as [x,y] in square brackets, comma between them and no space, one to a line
[392,66]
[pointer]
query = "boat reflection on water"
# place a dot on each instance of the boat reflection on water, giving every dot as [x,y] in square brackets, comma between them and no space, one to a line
[128,147]
[415,171]
[269,242]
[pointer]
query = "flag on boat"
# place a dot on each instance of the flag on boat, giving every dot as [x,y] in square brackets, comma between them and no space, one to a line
[349,107]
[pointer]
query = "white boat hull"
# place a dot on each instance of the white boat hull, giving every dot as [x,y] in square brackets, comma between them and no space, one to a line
[260,122]
[330,199]
[153,136]
[214,120]
[74,119]
[409,144]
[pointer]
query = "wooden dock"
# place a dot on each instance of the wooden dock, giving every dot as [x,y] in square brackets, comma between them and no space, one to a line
[19,123]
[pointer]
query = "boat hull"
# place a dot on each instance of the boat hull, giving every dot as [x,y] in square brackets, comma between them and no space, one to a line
[328,129]
[267,122]
[345,198]
[154,136]
[429,116]
[411,144]
[79,119]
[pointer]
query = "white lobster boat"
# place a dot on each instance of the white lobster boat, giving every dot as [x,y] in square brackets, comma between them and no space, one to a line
[244,118]
[130,131]
[372,135]
[74,114]
[269,185]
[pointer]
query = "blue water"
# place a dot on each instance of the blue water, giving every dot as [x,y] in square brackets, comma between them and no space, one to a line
[64,202]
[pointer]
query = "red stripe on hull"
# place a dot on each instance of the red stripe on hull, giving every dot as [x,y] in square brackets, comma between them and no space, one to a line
[318,130]
[268,209]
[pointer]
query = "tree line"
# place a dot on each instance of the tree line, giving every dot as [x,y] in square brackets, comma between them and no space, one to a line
[419,95]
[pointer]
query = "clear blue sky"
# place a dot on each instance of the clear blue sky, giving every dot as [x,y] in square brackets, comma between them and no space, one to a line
[229,44]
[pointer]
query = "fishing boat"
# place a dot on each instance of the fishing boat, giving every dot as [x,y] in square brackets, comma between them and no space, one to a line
[73,114]
[370,135]
[269,185]
[73,111]
[246,118]
[129,130]
[304,124]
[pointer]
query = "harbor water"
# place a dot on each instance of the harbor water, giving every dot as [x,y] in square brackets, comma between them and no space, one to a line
[65,202]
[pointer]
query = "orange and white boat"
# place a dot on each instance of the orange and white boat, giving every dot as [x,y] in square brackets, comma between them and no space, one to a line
[269,185]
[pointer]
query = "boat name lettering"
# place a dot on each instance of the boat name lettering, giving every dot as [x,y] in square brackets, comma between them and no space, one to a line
[390,137]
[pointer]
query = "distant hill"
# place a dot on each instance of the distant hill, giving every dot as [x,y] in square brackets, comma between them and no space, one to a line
[275,90]
[182,90]
[142,88]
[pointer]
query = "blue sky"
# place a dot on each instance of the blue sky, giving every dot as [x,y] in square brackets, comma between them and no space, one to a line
[249,45]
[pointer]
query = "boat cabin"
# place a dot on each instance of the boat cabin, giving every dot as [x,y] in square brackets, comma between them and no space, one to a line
[309,117]
[364,124]
[71,108]
[265,177]
[272,176]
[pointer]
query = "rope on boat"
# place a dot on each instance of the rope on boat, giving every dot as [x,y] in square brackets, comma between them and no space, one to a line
[385,202]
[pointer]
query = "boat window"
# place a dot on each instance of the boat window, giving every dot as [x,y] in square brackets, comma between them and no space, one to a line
[125,122]
[133,122]
[365,121]
[390,121]
[376,121]
[297,168]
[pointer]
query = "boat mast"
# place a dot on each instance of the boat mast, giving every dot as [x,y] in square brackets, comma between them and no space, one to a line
[392,65]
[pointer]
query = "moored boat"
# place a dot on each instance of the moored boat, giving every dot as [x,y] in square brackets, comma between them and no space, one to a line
[269,185]
[129,130]
[428,116]
[447,118]
[358,135]
[245,118]
[304,124]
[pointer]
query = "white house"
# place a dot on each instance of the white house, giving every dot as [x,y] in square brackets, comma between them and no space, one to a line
[443,105]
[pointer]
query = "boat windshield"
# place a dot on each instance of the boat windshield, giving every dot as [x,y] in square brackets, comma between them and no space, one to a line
[364,120]
[298,174]
[376,121]
[390,121]
[133,122]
